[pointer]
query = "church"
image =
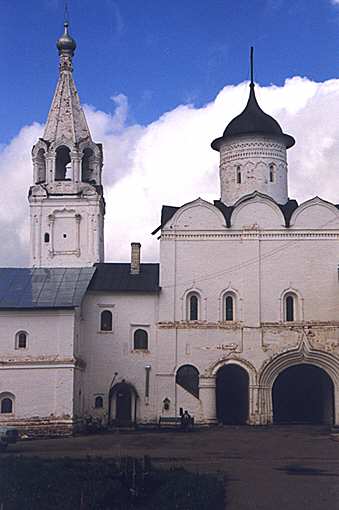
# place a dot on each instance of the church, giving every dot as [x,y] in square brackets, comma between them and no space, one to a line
[237,323]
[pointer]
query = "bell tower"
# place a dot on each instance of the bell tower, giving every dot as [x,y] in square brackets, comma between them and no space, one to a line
[67,206]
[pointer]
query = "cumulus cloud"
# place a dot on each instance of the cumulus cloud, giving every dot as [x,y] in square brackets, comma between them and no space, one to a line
[170,161]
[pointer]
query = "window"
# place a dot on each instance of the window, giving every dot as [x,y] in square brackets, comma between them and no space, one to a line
[41,166]
[87,165]
[193,307]
[188,378]
[106,321]
[6,405]
[289,308]
[46,237]
[238,175]
[21,340]
[271,167]
[98,403]
[140,339]
[229,308]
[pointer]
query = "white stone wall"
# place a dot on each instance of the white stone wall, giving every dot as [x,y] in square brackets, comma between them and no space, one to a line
[109,355]
[40,377]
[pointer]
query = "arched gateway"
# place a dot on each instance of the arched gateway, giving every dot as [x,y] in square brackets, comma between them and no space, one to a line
[299,385]
[232,396]
[123,404]
[303,393]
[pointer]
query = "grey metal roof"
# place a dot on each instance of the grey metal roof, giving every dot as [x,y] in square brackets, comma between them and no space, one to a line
[116,277]
[29,288]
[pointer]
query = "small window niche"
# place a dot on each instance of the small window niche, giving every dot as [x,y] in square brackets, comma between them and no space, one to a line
[289,307]
[271,172]
[98,402]
[238,174]
[106,320]
[140,340]
[6,403]
[21,340]
[46,237]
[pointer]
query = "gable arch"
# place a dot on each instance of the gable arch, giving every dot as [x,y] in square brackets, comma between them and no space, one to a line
[197,215]
[257,212]
[234,360]
[315,213]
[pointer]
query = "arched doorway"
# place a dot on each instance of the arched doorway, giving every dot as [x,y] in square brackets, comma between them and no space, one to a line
[303,393]
[232,395]
[122,404]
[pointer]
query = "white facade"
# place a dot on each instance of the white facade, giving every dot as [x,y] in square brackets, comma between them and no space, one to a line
[240,327]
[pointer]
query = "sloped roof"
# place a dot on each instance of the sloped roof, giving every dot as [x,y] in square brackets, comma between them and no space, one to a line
[38,288]
[116,277]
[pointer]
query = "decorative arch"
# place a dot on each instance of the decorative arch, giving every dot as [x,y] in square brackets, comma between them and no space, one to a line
[315,213]
[302,354]
[187,303]
[259,206]
[197,215]
[235,360]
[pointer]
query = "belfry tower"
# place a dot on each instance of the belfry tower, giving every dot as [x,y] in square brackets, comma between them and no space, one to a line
[67,206]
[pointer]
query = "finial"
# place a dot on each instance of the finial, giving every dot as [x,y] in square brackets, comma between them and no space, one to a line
[251,67]
[66,13]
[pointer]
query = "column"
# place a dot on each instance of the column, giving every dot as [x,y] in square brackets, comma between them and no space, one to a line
[208,400]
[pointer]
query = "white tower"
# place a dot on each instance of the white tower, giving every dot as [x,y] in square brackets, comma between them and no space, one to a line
[67,206]
[253,154]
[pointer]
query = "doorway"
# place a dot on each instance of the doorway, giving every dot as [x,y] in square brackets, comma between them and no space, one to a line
[232,395]
[303,394]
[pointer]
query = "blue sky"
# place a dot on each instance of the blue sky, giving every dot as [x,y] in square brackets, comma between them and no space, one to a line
[159,54]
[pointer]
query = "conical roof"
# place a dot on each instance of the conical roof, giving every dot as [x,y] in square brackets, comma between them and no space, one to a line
[253,121]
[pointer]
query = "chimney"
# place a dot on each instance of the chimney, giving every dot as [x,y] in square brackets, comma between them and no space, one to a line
[135,258]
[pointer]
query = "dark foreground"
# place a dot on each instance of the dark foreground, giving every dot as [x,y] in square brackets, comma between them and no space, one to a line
[287,467]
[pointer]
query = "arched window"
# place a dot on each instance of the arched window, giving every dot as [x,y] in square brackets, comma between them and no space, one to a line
[289,308]
[6,405]
[229,308]
[188,378]
[63,164]
[46,237]
[40,166]
[106,321]
[98,403]
[140,339]
[271,169]
[193,307]
[86,165]
[21,340]
[238,171]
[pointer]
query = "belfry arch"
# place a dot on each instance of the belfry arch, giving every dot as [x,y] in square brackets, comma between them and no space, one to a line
[323,370]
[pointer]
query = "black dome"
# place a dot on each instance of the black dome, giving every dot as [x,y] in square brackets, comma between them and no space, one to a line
[253,121]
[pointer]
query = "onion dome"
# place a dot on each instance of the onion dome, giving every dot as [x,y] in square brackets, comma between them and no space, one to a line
[253,121]
[66,43]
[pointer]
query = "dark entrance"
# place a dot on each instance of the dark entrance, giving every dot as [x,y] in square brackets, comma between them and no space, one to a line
[121,393]
[232,395]
[303,394]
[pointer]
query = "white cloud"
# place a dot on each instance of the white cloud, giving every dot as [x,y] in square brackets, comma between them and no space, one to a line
[170,161]
[335,2]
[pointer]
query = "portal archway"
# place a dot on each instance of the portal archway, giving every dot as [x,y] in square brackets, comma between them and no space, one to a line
[122,404]
[232,394]
[303,393]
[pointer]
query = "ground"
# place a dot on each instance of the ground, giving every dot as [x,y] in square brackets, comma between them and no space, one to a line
[290,467]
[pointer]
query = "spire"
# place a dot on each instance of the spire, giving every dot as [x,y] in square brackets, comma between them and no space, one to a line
[66,119]
[251,67]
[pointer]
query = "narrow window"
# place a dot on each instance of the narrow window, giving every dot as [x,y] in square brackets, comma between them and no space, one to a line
[98,403]
[6,406]
[271,173]
[46,237]
[22,341]
[238,175]
[229,308]
[106,321]
[289,308]
[140,339]
[188,378]
[193,307]
[41,166]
